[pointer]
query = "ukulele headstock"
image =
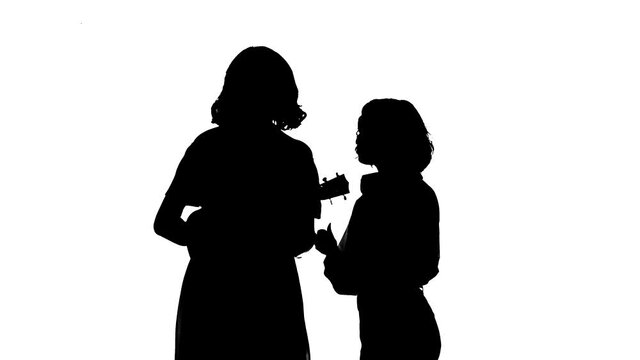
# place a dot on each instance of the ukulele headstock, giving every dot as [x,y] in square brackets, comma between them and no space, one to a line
[333,187]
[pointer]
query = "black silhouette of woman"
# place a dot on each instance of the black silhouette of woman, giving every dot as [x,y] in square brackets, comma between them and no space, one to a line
[390,248]
[257,189]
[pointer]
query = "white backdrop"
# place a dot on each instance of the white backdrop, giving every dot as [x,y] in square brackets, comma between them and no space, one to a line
[533,107]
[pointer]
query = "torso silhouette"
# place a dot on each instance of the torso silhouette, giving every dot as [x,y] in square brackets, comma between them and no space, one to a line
[388,252]
[241,294]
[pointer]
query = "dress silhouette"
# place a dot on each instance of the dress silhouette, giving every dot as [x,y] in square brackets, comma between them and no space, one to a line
[390,248]
[256,187]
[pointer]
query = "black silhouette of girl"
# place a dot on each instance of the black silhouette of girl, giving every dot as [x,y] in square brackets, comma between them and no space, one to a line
[256,187]
[390,248]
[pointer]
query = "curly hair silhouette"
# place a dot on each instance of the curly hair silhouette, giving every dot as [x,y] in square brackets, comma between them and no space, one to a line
[259,86]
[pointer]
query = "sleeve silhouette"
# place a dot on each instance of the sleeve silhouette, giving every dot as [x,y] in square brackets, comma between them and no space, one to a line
[181,192]
[187,181]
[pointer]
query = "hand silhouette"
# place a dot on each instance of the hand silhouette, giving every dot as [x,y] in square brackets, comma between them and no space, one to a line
[326,242]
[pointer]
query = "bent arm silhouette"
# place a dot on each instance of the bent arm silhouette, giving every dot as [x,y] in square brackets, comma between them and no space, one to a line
[341,274]
[168,222]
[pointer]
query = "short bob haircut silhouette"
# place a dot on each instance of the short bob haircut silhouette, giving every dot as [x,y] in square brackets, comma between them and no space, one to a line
[259,87]
[391,133]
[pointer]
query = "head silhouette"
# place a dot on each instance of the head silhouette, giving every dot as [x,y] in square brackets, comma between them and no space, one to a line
[391,134]
[259,87]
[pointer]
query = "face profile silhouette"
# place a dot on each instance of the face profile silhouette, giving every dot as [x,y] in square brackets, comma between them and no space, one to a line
[391,133]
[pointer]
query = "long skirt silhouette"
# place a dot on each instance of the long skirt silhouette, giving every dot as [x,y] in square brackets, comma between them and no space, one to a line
[218,319]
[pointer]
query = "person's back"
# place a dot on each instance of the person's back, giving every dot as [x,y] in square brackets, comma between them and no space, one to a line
[251,185]
[252,188]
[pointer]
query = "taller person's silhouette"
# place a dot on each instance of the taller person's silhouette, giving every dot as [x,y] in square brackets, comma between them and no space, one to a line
[256,187]
[391,246]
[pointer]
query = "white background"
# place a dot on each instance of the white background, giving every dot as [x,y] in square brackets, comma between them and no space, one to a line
[533,107]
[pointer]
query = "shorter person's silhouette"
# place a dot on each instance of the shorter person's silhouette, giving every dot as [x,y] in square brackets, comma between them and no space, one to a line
[391,246]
